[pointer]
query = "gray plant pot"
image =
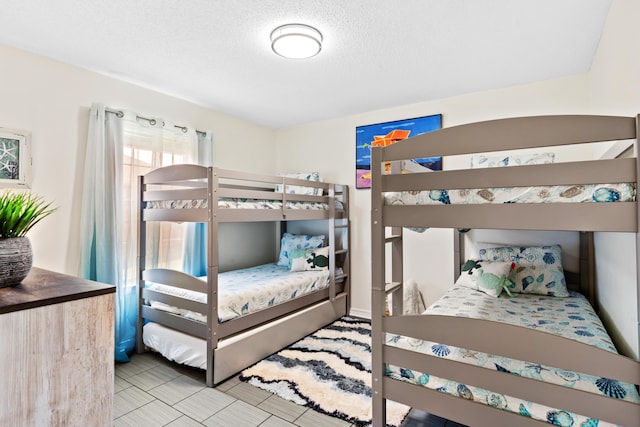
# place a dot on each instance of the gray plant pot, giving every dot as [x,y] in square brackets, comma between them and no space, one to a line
[16,259]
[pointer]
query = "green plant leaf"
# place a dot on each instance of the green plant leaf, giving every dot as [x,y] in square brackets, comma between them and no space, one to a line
[19,212]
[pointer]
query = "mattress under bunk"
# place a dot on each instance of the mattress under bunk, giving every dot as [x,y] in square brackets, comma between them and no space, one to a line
[241,350]
[571,317]
[252,303]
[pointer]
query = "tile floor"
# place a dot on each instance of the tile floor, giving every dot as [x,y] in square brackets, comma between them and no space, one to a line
[151,391]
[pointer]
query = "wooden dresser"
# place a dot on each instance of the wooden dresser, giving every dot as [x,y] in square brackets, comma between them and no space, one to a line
[56,352]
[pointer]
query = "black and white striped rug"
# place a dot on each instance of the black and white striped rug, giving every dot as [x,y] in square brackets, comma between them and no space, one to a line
[329,371]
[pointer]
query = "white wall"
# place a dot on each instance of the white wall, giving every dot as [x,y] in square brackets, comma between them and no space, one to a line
[52,101]
[329,147]
[614,84]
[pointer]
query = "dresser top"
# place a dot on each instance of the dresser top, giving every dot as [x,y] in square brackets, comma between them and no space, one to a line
[44,287]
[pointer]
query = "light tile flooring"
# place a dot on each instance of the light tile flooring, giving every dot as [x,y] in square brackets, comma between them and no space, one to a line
[151,391]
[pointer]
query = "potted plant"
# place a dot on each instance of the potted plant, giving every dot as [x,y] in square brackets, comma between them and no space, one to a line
[19,212]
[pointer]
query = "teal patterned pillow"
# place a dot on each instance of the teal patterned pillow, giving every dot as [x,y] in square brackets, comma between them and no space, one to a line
[538,269]
[290,242]
[486,276]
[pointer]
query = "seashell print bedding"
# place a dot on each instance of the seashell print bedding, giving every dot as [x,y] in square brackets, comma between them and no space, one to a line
[248,290]
[571,317]
[236,203]
[621,192]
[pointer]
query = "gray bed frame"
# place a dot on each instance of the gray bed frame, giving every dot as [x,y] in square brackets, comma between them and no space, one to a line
[238,343]
[481,335]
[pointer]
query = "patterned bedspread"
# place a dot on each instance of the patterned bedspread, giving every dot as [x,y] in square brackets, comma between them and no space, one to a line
[570,317]
[544,194]
[245,291]
[237,203]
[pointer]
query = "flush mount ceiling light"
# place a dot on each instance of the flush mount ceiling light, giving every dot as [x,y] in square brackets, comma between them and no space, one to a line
[296,41]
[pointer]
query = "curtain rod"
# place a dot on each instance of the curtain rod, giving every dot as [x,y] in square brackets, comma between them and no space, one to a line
[120,114]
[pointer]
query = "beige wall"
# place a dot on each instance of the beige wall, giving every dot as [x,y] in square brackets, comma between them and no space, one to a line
[52,101]
[614,84]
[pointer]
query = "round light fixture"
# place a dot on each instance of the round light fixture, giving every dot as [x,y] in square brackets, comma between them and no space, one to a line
[296,41]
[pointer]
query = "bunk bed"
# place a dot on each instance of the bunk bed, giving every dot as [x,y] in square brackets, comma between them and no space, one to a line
[199,321]
[411,353]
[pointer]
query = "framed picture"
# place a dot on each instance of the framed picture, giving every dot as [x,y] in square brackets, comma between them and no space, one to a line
[15,158]
[390,133]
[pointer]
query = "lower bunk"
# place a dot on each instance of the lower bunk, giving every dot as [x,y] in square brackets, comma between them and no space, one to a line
[526,360]
[257,312]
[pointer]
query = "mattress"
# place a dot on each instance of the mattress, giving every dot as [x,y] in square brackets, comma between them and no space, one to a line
[192,351]
[175,346]
[239,203]
[246,291]
[571,317]
[621,192]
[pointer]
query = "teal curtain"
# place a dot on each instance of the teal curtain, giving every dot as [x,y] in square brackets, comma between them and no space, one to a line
[120,147]
[101,222]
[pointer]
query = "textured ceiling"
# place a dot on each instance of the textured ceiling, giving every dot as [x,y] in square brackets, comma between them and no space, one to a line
[376,53]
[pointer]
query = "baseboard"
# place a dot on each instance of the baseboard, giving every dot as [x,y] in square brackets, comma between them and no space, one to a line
[356,312]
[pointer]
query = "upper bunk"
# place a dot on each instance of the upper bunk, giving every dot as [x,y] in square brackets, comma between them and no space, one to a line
[544,132]
[192,193]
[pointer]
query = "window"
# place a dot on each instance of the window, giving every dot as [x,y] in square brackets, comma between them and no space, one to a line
[147,148]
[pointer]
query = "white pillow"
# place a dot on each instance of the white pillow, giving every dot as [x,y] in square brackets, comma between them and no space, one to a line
[301,190]
[476,247]
[482,161]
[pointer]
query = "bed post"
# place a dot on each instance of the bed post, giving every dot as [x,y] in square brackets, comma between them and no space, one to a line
[458,253]
[636,153]
[378,291]
[332,242]
[587,268]
[212,273]
[397,256]
[141,261]
[397,272]
[346,244]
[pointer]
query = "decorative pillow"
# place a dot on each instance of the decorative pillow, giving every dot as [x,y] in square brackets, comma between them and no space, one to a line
[311,259]
[301,190]
[486,276]
[473,248]
[538,269]
[290,242]
[482,161]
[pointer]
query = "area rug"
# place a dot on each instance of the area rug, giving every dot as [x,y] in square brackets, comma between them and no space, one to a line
[328,371]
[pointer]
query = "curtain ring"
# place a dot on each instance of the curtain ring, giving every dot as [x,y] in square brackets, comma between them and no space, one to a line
[152,122]
[119,114]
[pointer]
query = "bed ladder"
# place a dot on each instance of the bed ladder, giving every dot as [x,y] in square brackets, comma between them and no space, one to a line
[340,240]
[395,288]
